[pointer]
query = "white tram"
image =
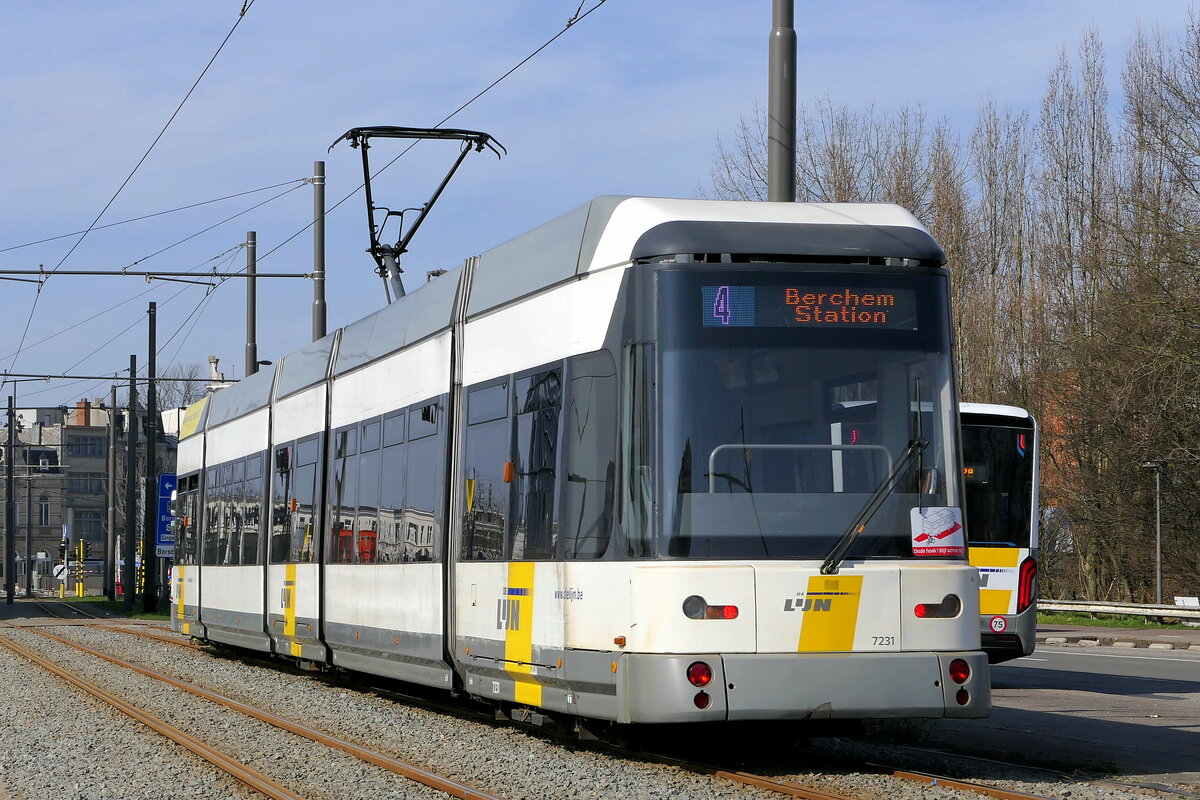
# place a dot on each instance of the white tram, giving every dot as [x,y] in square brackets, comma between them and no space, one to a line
[1000,474]
[654,461]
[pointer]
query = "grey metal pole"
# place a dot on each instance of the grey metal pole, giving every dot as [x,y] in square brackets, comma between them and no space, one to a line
[781,105]
[10,503]
[318,311]
[1158,535]
[110,541]
[150,498]
[128,543]
[251,303]
[29,536]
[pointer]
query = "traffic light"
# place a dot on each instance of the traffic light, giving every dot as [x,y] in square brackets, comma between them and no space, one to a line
[62,551]
[87,548]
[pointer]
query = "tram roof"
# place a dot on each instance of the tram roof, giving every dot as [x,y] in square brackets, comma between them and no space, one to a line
[994,410]
[613,230]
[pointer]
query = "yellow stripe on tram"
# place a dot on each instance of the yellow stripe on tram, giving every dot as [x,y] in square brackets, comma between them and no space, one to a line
[179,576]
[289,608]
[518,636]
[830,614]
[994,556]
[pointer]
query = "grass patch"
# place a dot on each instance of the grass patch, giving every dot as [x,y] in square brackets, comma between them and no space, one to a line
[101,602]
[1105,621]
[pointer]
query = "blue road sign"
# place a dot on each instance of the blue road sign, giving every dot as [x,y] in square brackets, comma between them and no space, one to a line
[164,537]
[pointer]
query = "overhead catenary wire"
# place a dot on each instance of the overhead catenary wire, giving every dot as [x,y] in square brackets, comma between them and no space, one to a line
[229,255]
[570,23]
[163,250]
[33,309]
[188,207]
[143,293]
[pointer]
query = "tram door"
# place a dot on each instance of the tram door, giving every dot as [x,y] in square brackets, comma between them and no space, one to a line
[185,577]
[293,572]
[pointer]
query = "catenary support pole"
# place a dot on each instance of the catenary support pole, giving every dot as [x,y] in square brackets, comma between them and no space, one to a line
[29,536]
[10,503]
[129,545]
[1158,534]
[150,497]
[318,310]
[251,304]
[781,106]
[110,540]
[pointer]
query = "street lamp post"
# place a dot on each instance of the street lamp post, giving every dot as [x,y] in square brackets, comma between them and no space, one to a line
[1157,467]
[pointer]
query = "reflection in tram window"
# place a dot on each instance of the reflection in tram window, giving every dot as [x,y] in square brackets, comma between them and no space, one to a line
[588,431]
[538,403]
[488,474]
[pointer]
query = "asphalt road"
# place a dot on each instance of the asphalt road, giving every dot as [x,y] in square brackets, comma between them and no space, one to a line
[1131,714]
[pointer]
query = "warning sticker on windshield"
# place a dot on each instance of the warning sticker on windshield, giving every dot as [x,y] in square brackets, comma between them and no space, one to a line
[937,532]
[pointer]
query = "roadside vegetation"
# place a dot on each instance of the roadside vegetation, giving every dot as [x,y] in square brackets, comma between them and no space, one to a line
[1073,234]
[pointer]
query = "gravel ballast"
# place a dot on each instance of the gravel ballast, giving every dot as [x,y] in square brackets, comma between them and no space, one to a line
[64,744]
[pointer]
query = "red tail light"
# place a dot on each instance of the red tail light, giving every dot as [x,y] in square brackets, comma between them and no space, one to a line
[695,607]
[1026,583]
[947,609]
[727,612]
[699,673]
[962,697]
[960,671]
[702,700]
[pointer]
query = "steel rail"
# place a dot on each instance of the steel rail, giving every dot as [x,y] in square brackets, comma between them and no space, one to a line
[966,786]
[154,636]
[410,771]
[236,769]
[780,786]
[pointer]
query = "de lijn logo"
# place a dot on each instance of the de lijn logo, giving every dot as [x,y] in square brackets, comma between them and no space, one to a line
[803,602]
[508,609]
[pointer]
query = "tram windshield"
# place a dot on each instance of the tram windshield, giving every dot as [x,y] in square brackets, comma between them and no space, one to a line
[786,400]
[998,482]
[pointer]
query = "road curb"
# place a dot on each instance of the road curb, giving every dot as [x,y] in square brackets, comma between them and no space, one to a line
[1091,640]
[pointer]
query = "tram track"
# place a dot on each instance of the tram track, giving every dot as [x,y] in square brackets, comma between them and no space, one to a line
[246,775]
[779,785]
[242,773]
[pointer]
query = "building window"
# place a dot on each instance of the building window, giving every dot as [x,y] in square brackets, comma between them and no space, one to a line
[87,446]
[44,513]
[85,483]
[89,526]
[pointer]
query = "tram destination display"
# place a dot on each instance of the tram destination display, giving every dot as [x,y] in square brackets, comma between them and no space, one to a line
[807,306]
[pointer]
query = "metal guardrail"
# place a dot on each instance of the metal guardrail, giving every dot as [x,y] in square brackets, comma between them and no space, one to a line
[1135,609]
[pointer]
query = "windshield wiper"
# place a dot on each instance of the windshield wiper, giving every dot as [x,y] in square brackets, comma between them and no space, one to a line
[838,554]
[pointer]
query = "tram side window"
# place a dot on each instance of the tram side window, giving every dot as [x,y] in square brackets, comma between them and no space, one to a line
[252,510]
[391,490]
[236,495]
[637,436]
[293,498]
[487,473]
[538,403]
[589,431]
[423,512]
[212,518]
[366,543]
[281,493]
[343,495]
[186,542]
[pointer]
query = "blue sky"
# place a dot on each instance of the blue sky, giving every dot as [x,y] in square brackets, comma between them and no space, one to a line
[630,101]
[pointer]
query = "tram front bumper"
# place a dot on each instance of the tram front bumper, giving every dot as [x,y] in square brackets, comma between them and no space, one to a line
[655,689]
